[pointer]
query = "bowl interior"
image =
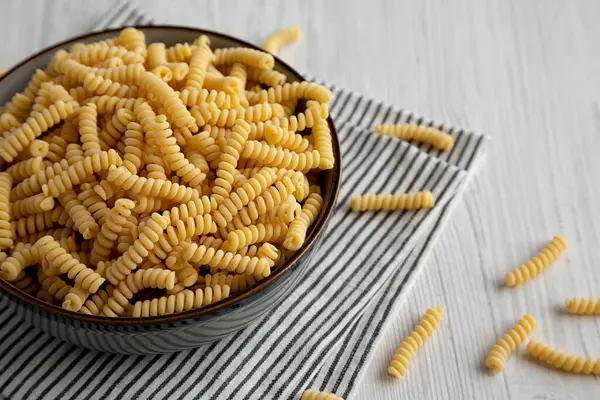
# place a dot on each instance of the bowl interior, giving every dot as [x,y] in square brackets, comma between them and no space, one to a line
[16,80]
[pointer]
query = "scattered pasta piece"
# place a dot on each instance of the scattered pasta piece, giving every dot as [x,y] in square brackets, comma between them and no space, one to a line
[509,342]
[418,133]
[281,38]
[561,360]
[413,342]
[583,305]
[392,202]
[537,264]
[312,394]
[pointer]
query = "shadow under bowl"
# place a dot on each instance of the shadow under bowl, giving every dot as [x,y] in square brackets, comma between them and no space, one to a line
[183,330]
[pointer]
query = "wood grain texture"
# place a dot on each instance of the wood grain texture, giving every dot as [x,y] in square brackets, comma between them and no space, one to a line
[524,72]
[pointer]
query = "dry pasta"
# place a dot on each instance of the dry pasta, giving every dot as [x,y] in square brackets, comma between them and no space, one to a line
[413,342]
[418,133]
[281,38]
[537,264]
[509,342]
[583,305]
[392,202]
[312,394]
[131,165]
[561,360]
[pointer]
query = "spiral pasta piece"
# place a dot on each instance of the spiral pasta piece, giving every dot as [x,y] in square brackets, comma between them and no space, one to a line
[125,290]
[294,91]
[392,202]
[181,52]
[40,222]
[183,301]
[561,360]
[98,85]
[80,171]
[62,262]
[111,104]
[32,205]
[412,343]
[254,234]
[94,203]
[74,153]
[268,200]
[133,40]
[307,119]
[210,114]
[135,254]
[124,179]
[227,84]
[312,394]
[509,342]
[243,195]
[134,147]
[88,129]
[277,136]
[237,283]
[6,230]
[229,158]
[418,133]
[278,157]
[55,286]
[11,267]
[104,243]
[33,185]
[174,107]
[537,264]
[195,97]
[112,62]
[34,126]
[180,231]
[115,128]
[281,38]
[94,305]
[24,169]
[583,305]
[250,57]
[173,155]
[294,238]
[96,53]
[199,60]
[82,218]
[322,140]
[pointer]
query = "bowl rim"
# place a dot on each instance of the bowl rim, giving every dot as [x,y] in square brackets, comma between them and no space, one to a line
[289,265]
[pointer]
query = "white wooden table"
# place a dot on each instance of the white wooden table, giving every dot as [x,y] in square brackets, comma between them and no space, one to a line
[525,72]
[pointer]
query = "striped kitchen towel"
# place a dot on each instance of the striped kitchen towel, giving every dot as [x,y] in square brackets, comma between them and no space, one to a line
[323,335]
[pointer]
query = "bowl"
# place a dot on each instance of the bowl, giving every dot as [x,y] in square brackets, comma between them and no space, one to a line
[190,329]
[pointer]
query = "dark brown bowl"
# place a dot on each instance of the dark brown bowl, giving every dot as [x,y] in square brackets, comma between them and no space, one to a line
[186,329]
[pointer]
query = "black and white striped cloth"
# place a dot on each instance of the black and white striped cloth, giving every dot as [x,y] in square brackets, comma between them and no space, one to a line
[324,334]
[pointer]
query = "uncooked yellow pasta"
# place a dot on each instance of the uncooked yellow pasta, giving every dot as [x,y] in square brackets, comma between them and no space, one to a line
[294,239]
[130,165]
[183,301]
[537,264]
[413,342]
[312,394]
[509,342]
[281,38]
[392,202]
[561,360]
[583,305]
[418,133]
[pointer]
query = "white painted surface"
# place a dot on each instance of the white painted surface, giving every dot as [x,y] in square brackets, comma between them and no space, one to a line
[525,72]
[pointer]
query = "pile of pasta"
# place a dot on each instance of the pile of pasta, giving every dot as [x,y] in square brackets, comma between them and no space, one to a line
[142,180]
